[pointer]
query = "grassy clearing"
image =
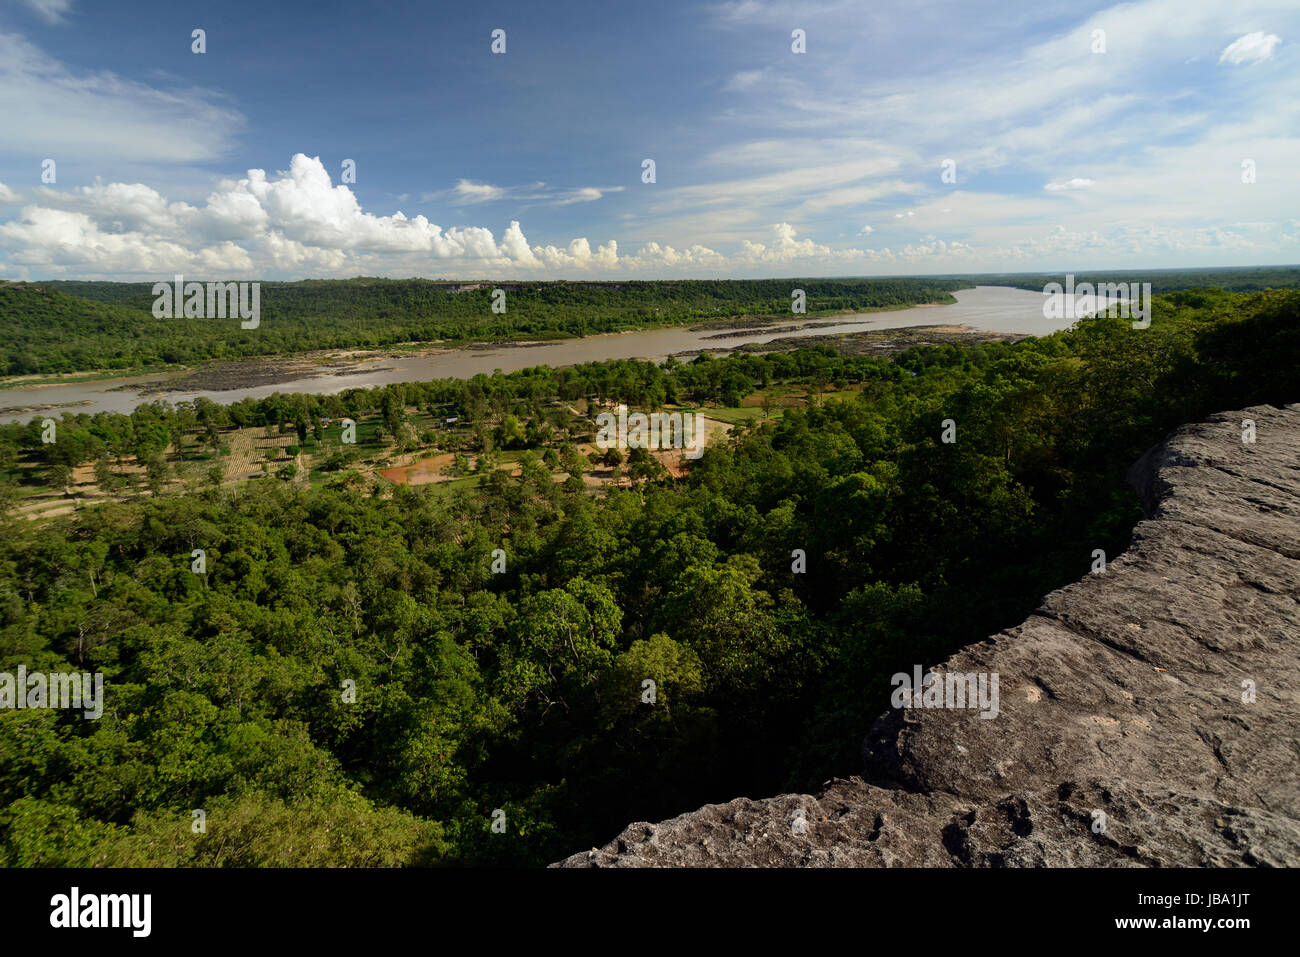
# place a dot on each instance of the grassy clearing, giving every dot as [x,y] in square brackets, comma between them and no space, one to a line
[733,415]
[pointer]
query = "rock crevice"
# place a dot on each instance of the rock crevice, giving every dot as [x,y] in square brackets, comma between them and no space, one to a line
[1148,716]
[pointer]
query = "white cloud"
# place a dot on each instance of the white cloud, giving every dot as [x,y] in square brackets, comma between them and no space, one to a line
[1148,129]
[652,254]
[1250,48]
[52,11]
[298,222]
[802,172]
[586,194]
[1078,182]
[849,196]
[90,118]
[57,240]
[8,197]
[124,207]
[294,220]
[466,192]
[737,12]
[744,80]
[515,246]
[578,255]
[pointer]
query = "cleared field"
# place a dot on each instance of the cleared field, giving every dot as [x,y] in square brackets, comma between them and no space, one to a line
[248,451]
[426,471]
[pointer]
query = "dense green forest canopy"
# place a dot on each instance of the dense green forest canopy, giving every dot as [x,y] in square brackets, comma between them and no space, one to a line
[522,691]
[61,327]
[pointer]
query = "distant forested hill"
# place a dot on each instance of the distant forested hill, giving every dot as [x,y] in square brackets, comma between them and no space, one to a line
[73,326]
[1232,279]
[42,330]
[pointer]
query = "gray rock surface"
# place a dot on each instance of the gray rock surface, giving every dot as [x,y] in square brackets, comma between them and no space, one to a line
[1122,696]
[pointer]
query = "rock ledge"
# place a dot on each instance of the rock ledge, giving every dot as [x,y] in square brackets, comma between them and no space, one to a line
[1122,737]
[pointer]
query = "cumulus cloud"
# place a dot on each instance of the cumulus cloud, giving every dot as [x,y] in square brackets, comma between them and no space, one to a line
[123,207]
[578,255]
[298,222]
[516,247]
[7,196]
[654,255]
[294,220]
[1250,48]
[57,239]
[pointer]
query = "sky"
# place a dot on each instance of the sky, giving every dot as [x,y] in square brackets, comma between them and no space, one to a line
[788,139]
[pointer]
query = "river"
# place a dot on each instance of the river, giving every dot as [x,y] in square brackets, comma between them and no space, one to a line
[985,308]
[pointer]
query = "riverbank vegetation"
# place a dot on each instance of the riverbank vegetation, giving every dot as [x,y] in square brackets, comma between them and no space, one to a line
[59,327]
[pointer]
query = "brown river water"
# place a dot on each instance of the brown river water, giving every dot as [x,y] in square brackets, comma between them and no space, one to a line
[985,308]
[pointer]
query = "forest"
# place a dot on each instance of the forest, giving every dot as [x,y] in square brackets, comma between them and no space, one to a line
[353,679]
[60,327]
[1230,278]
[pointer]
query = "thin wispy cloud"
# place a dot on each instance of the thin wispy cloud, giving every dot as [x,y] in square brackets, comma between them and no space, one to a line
[467,193]
[744,80]
[51,11]
[1077,182]
[1250,48]
[52,109]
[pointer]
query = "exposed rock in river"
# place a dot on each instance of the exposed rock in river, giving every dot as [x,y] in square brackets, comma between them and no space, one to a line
[1126,731]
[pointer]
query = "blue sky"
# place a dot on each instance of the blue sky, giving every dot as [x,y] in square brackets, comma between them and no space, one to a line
[1067,156]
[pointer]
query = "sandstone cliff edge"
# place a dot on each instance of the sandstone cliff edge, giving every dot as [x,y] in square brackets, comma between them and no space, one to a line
[1125,736]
